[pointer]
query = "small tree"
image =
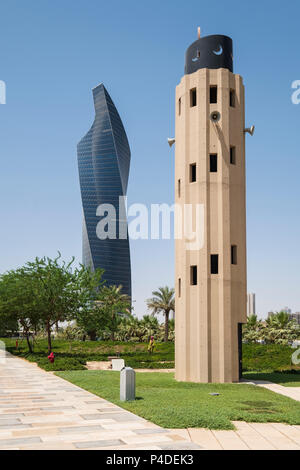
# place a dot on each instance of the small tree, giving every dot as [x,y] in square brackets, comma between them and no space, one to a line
[8,321]
[163,301]
[89,283]
[17,304]
[54,293]
[60,292]
[45,292]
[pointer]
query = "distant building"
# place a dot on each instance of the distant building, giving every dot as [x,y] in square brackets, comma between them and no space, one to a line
[286,310]
[251,310]
[103,162]
[295,316]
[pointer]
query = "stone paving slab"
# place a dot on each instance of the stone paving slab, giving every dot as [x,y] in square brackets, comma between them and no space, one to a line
[39,410]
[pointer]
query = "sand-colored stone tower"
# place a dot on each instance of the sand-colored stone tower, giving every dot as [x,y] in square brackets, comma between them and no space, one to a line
[210,170]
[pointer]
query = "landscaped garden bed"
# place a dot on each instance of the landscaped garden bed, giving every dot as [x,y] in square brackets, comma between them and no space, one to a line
[73,355]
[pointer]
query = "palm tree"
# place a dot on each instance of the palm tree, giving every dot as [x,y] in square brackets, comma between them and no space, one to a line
[279,320]
[163,301]
[118,306]
[252,322]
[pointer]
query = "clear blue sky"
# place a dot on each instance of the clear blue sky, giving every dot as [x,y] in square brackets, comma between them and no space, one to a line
[54,52]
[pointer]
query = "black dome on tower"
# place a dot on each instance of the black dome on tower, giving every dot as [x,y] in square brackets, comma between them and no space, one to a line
[211,52]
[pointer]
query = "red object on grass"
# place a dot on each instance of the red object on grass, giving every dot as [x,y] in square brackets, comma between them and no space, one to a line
[51,357]
[17,344]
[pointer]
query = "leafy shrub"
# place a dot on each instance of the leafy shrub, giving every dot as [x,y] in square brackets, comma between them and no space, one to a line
[71,332]
[277,329]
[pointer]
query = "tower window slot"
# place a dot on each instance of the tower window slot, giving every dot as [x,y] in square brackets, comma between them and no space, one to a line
[194,276]
[214,264]
[232,98]
[179,287]
[179,106]
[213,162]
[233,254]
[179,188]
[213,95]
[193,173]
[232,156]
[193,97]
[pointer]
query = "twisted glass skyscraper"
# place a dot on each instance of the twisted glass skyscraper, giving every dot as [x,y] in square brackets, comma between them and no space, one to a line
[103,162]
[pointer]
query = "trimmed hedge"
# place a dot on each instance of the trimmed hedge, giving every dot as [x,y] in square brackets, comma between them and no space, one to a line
[61,363]
[149,365]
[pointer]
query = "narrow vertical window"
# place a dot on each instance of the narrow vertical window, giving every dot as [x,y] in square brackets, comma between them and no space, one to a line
[214,264]
[194,276]
[232,156]
[213,163]
[193,97]
[233,254]
[213,94]
[193,173]
[179,106]
[232,98]
[179,287]
[179,188]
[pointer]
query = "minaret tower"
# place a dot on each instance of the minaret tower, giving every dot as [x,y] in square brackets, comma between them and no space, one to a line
[210,171]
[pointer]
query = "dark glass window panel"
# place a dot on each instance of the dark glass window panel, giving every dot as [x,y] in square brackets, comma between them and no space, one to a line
[194,275]
[213,162]
[214,264]
[193,172]
[213,94]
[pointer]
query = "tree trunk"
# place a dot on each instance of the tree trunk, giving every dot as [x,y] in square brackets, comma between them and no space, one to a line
[49,337]
[166,327]
[29,343]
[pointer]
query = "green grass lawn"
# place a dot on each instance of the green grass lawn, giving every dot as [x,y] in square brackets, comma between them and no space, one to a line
[172,404]
[283,378]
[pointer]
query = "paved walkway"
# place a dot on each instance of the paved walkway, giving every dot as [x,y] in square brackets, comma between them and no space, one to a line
[247,436]
[41,411]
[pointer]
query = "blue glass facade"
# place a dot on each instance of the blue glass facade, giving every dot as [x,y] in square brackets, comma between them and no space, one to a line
[103,162]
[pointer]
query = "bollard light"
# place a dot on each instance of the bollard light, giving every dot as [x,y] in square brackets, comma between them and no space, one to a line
[127,384]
